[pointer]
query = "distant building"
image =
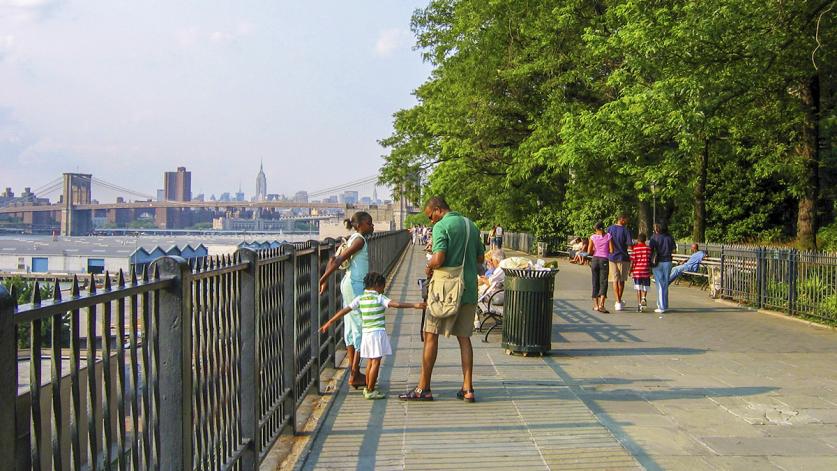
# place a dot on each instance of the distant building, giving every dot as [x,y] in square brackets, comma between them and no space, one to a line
[366,200]
[301,197]
[261,185]
[200,197]
[27,198]
[276,197]
[161,195]
[332,199]
[177,186]
[225,196]
[349,197]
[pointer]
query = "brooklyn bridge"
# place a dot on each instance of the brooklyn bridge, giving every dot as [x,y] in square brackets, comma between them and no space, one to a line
[76,208]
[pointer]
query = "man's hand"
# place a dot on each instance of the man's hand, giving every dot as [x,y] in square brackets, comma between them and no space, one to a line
[324,328]
[428,271]
[323,286]
[421,305]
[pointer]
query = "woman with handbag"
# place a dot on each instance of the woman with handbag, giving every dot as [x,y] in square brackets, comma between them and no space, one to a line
[353,256]
[662,246]
[599,247]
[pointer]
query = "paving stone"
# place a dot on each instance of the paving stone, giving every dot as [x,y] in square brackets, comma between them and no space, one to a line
[709,386]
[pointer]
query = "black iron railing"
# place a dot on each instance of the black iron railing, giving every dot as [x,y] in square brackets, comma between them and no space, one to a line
[196,366]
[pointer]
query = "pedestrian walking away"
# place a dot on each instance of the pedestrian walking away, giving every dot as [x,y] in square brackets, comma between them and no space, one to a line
[456,246]
[357,253]
[599,247]
[641,271]
[620,260]
[662,246]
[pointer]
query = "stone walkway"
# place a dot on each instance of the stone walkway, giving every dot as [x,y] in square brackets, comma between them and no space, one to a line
[706,386]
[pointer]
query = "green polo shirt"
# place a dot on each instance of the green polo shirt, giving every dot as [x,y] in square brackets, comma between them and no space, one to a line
[449,237]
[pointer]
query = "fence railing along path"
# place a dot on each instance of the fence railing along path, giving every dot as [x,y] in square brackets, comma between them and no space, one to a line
[801,283]
[181,367]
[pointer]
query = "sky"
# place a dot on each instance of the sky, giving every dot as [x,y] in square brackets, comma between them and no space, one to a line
[126,90]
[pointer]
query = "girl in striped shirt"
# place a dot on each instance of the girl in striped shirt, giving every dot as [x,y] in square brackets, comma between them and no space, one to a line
[374,342]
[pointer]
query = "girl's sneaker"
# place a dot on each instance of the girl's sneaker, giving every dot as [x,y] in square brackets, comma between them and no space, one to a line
[373,394]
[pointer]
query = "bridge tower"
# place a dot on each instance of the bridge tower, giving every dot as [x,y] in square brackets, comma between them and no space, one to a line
[77,190]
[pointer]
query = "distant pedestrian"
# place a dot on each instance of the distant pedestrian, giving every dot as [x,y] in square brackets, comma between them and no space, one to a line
[491,235]
[662,246]
[357,253]
[641,271]
[498,237]
[599,247]
[372,305]
[620,260]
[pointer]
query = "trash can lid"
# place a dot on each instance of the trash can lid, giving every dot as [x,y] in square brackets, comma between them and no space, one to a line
[528,273]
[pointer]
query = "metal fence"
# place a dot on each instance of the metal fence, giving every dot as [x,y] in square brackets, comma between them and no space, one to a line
[799,283]
[196,366]
[520,241]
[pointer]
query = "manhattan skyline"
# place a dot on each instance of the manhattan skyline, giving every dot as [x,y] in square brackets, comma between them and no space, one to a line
[123,92]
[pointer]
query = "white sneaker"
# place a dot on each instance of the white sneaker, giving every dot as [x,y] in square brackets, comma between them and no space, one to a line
[618,306]
[659,311]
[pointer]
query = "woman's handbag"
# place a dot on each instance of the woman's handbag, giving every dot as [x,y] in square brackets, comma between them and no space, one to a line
[341,249]
[447,285]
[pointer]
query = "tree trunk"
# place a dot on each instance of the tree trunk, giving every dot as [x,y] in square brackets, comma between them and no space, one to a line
[808,152]
[644,224]
[699,228]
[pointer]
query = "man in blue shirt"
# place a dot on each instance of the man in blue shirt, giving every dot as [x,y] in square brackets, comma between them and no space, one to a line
[620,261]
[691,264]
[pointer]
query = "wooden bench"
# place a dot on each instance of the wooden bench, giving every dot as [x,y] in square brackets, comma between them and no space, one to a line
[707,275]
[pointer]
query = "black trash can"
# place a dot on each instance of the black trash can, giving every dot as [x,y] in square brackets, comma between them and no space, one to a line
[527,311]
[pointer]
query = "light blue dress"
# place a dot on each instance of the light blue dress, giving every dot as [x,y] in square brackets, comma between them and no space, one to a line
[352,287]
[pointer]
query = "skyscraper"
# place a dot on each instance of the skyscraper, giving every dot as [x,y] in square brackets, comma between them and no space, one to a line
[261,184]
[177,186]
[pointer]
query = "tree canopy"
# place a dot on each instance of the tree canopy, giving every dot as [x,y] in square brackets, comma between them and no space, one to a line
[547,115]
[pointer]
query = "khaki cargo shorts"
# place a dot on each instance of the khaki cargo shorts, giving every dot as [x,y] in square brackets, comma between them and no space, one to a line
[619,271]
[460,324]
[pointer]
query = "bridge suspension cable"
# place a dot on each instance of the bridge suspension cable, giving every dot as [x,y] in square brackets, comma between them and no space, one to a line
[346,186]
[121,189]
[49,186]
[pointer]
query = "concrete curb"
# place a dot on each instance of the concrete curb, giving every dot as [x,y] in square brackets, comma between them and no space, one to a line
[777,314]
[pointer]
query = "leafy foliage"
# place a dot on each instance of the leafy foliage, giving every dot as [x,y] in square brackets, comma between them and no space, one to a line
[548,115]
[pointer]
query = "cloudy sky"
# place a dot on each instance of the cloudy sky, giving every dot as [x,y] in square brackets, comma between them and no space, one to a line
[128,89]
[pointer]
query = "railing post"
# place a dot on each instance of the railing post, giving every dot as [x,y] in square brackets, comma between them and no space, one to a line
[8,370]
[315,312]
[175,364]
[760,276]
[249,359]
[793,258]
[328,248]
[289,368]
[723,272]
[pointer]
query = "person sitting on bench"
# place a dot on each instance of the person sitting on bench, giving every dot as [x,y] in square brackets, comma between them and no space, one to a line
[690,265]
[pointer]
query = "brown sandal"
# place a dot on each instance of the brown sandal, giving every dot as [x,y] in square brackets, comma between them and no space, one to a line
[417,395]
[461,395]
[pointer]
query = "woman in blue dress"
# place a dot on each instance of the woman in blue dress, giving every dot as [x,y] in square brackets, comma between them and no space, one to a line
[352,286]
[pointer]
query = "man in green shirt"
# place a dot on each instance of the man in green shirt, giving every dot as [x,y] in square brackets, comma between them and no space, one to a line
[451,243]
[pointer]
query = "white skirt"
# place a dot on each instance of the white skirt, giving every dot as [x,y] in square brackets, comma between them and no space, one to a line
[375,344]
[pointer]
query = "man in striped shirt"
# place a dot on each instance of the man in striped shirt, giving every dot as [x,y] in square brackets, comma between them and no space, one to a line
[641,271]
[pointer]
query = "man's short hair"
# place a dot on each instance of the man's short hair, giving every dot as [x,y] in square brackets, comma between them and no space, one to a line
[642,237]
[437,202]
[622,216]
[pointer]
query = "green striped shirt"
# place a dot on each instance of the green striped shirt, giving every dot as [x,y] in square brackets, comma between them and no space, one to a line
[371,305]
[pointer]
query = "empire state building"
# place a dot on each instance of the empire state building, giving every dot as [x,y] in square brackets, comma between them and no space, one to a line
[261,185]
